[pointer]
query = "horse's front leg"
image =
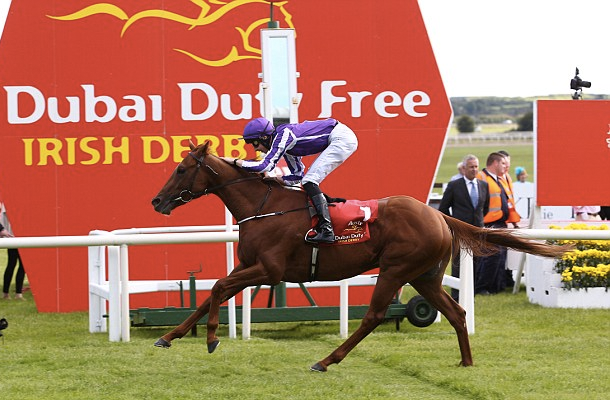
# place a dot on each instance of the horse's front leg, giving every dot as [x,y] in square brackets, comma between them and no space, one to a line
[189,323]
[228,287]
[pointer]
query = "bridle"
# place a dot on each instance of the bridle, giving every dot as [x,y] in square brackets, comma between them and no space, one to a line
[187,195]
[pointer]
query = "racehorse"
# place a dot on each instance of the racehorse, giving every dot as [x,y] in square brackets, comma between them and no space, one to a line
[410,242]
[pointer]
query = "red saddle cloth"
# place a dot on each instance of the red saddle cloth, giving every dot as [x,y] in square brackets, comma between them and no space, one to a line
[350,220]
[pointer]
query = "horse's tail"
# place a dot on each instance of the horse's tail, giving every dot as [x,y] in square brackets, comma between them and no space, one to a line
[484,241]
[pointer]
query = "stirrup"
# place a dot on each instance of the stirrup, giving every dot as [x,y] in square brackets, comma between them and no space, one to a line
[315,237]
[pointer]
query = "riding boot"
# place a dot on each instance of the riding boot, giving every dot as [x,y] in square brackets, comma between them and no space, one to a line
[323,232]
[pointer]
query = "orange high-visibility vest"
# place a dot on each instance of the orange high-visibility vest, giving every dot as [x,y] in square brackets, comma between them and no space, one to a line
[495,198]
[513,215]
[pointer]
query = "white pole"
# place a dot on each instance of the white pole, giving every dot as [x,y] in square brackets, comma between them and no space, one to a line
[125,321]
[230,266]
[97,276]
[467,287]
[343,310]
[114,301]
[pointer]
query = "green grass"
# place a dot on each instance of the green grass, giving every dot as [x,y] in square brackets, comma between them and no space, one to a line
[521,351]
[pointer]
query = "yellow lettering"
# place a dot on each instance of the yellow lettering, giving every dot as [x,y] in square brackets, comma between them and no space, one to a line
[179,148]
[232,145]
[148,142]
[71,150]
[214,142]
[28,151]
[122,149]
[85,148]
[49,148]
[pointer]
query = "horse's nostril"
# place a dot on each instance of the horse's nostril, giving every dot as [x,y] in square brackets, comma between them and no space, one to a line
[155,201]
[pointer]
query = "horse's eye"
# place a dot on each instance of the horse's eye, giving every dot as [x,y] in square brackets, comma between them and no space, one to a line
[180,171]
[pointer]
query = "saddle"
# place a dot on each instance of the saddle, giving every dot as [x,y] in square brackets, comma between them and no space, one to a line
[350,219]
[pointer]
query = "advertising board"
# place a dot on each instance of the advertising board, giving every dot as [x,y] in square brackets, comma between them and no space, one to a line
[100,99]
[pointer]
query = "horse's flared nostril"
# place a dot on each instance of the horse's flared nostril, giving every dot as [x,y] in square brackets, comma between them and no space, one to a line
[155,202]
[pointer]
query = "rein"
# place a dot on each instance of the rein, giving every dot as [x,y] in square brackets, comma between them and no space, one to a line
[186,195]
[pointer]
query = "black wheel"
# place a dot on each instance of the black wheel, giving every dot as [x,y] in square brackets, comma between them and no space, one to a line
[419,312]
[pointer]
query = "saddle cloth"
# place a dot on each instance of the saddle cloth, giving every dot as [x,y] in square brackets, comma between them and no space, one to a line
[350,220]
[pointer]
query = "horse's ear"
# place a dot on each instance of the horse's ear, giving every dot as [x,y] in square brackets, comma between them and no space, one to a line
[192,145]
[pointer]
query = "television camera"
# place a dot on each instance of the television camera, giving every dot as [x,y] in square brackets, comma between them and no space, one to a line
[577,84]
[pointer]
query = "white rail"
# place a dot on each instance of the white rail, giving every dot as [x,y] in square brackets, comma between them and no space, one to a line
[116,289]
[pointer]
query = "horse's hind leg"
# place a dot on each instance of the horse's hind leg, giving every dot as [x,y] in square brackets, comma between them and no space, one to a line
[433,291]
[384,292]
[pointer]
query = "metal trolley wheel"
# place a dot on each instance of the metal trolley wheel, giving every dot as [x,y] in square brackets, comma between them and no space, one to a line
[419,312]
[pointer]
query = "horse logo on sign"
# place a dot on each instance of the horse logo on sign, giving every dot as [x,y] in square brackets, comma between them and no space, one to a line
[208,15]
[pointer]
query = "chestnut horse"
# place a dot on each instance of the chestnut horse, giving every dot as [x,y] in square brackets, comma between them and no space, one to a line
[410,242]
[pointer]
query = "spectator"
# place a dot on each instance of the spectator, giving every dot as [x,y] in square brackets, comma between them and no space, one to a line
[466,199]
[13,258]
[521,174]
[604,212]
[513,215]
[460,169]
[490,276]
[587,213]
[523,193]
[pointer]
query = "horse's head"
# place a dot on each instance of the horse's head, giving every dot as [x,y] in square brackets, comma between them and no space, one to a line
[190,180]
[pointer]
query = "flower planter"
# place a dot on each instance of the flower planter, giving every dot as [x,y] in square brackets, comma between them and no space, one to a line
[544,287]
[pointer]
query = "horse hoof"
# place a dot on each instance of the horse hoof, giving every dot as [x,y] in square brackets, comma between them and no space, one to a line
[163,343]
[317,367]
[212,346]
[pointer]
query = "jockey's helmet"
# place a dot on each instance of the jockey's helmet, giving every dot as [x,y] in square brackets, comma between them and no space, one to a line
[257,129]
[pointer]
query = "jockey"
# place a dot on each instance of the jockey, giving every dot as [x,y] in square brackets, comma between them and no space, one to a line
[332,140]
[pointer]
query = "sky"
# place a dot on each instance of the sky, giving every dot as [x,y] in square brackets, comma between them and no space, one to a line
[514,48]
[519,48]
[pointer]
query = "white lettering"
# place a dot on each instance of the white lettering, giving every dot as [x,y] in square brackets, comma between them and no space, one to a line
[73,113]
[357,102]
[91,102]
[157,110]
[137,110]
[246,107]
[367,212]
[328,99]
[186,96]
[409,103]
[12,104]
[382,103]
[26,105]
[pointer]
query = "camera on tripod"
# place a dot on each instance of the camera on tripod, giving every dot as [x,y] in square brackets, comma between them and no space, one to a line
[577,84]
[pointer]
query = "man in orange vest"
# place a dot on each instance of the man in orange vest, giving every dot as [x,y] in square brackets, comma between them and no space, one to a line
[513,215]
[490,275]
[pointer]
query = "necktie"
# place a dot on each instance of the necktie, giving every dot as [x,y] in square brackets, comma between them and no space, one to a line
[474,196]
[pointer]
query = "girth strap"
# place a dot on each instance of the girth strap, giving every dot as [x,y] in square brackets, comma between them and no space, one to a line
[313,272]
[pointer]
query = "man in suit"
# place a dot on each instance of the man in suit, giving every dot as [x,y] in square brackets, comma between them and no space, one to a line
[466,199]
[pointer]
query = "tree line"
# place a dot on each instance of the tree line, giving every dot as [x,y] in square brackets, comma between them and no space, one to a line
[472,111]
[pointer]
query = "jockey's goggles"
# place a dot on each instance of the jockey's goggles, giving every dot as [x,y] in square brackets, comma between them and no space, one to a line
[253,142]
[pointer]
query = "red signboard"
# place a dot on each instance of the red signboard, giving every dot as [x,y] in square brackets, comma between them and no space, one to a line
[99,100]
[572,152]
